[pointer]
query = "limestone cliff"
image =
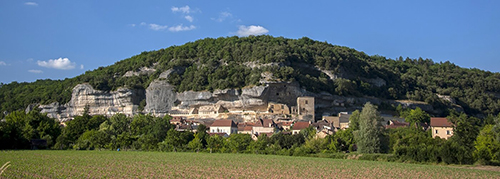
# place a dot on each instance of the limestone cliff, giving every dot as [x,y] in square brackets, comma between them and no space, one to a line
[99,102]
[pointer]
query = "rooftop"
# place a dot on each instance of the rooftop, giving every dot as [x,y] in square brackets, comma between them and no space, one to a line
[440,122]
[300,125]
[223,123]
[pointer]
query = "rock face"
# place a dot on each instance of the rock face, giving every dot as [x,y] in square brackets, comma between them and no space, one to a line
[122,100]
[142,71]
[244,104]
[160,97]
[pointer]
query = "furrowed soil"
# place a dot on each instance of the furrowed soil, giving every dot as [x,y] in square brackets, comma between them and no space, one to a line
[113,164]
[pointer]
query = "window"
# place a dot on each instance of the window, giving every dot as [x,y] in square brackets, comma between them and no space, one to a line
[277,94]
[436,131]
[306,101]
[448,132]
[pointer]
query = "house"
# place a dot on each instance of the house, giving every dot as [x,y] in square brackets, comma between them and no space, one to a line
[324,126]
[297,126]
[224,126]
[285,125]
[441,127]
[184,127]
[277,108]
[396,124]
[177,120]
[339,122]
[245,130]
[264,126]
[211,109]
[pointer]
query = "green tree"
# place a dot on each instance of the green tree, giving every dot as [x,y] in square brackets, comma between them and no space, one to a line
[215,143]
[308,132]
[418,116]
[196,144]
[354,120]
[465,132]
[20,127]
[259,146]
[370,135]
[487,147]
[237,143]
[176,141]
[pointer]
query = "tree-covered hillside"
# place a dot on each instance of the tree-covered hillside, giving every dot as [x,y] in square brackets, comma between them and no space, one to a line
[235,62]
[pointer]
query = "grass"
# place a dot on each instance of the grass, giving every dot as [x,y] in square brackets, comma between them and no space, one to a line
[112,164]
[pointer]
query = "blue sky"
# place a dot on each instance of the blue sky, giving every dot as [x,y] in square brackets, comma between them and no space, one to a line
[62,39]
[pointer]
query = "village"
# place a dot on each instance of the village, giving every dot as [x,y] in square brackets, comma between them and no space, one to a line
[280,117]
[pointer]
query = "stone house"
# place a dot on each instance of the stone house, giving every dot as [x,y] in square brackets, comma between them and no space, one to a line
[339,122]
[264,126]
[441,127]
[245,130]
[324,126]
[211,109]
[224,126]
[277,108]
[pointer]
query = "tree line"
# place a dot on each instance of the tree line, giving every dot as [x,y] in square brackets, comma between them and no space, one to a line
[474,140]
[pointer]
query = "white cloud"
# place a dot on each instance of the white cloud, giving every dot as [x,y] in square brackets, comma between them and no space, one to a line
[2,63]
[31,3]
[35,71]
[81,67]
[132,25]
[181,28]
[142,23]
[60,63]
[223,16]
[184,9]
[251,30]
[157,27]
[189,18]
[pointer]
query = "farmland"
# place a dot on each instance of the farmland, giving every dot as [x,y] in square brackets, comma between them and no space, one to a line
[112,164]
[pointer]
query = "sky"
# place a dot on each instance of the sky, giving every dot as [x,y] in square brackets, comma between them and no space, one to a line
[52,39]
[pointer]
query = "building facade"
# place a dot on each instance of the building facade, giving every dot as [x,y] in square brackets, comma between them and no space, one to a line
[441,127]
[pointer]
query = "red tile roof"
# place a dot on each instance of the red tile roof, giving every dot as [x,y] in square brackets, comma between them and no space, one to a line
[440,122]
[286,123]
[247,128]
[224,123]
[300,125]
[396,124]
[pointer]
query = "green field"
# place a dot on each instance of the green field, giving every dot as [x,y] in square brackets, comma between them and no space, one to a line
[112,164]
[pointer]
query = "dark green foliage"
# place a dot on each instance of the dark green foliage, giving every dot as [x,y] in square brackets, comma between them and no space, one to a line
[286,141]
[176,141]
[238,143]
[414,144]
[19,128]
[465,132]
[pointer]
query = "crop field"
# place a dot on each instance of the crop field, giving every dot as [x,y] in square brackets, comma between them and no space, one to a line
[113,164]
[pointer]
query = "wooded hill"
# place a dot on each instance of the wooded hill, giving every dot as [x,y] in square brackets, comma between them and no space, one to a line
[235,62]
